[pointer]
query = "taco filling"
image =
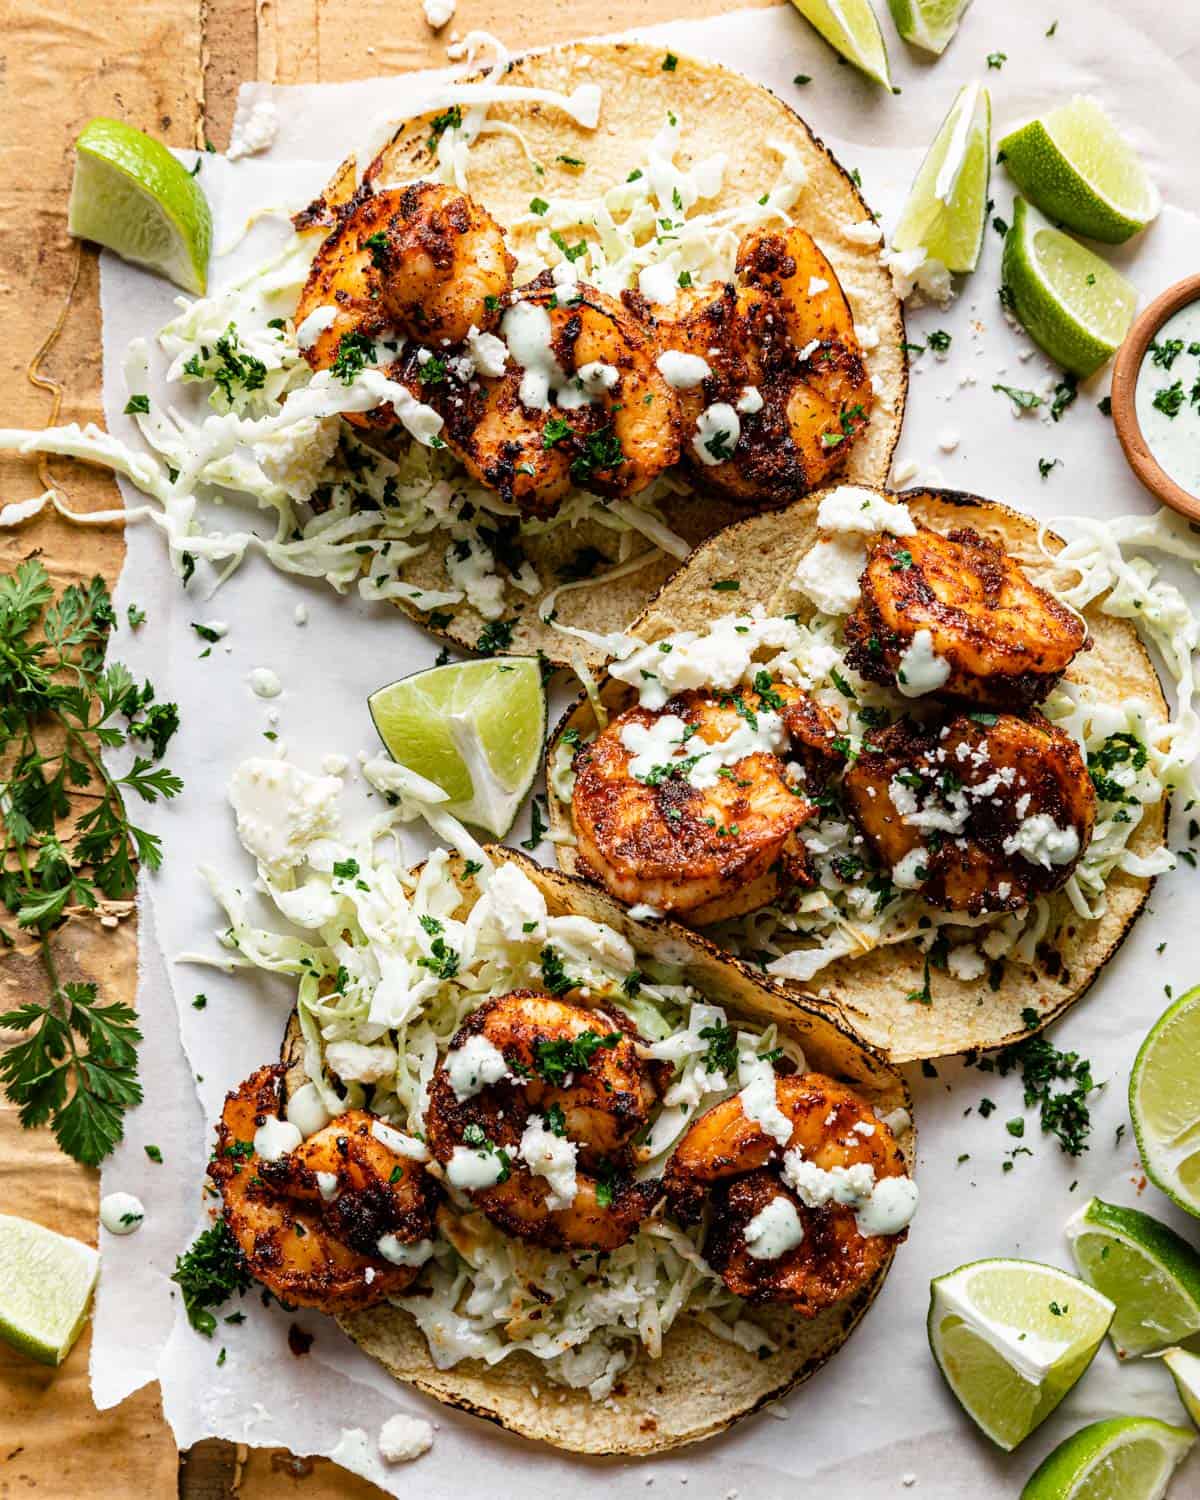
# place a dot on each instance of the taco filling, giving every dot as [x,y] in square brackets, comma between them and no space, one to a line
[519,1129]
[515,358]
[899,758]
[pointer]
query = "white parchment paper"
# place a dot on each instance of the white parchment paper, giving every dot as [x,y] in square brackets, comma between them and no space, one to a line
[877,1420]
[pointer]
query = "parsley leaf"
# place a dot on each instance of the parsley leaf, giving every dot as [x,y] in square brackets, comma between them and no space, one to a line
[74,1066]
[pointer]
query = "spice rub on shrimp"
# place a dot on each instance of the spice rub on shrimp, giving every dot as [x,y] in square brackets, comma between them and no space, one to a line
[800,1210]
[997,638]
[691,810]
[980,813]
[570,397]
[338,1221]
[533,1112]
[787,391]
[422,262]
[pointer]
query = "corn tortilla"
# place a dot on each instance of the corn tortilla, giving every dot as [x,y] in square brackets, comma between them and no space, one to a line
[702,1383]
[762,553]
[716,107]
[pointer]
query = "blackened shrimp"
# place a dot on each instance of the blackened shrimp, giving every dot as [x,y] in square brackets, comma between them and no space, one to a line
[425,261]
[533,1112]
[958,613]
[706,836]
[980,813]
[796,1216]
[787,391]
[340,1221]
[572,399]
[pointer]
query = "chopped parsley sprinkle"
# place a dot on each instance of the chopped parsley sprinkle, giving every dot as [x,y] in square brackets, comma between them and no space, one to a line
[354,352]
[726,586]
[718,447]
[1169,400]
[670,63]
[554,1060]
[137,404]
[939,340]
[1045,465]
[538,206]
[997,59]
[1026,400]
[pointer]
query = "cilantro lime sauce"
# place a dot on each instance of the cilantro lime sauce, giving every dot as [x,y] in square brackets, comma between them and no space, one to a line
[1167,397]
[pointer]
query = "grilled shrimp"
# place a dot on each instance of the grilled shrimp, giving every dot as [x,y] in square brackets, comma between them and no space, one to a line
[309,1224]
[611,427]
[784,330]
[425,260]
[573,1095]
[729,1160]
[717,845]
[976,816]
[1005,641]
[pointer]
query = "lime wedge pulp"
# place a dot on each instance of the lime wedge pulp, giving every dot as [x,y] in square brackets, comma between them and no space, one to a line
[852,30]
[1076,167]
[1150,1272]
[131,195]
[46,1283]
[928,24]
[1071,303]
[1164,1102]
[1122,1458]
[946,210]
[474,728]
[1185,1371]
[1011,1338]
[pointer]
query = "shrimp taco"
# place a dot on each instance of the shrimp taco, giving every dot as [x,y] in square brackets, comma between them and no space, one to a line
[544,1163]
[624,335]
[901,751]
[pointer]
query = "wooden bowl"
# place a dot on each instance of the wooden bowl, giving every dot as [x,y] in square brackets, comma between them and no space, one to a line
[1124,386]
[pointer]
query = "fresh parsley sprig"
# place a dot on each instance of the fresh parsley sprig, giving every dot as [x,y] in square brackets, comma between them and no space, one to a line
[75,1065]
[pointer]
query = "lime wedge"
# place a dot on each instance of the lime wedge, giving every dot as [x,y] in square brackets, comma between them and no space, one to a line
[46,1283]
[928,24]
[1072,303]
[474,728]
[1150,1272]
[947,206]
[1185,1370]
[1012,1337]
[851,29]
[1164,1102]
[131,195]
[1077,168]
[1122,1458]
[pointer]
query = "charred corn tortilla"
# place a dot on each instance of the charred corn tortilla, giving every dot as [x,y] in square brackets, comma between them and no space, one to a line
[721,112]
[702,1383]
[762,553]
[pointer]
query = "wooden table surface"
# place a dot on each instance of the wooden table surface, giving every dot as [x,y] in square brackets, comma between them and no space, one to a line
[171,67]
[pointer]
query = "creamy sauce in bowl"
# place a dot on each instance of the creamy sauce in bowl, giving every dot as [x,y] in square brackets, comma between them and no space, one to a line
[1167,397]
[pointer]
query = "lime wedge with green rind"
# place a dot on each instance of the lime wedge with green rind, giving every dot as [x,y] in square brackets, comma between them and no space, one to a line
[131,195]
[1122,1458]
[928,24]
[1185,1371]
[1074,165]
[1149,1271]
[474,728]
[1011,1338]
[852,30]
[1071,303]
[46,1283]
[1164,1102]
[946,211]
